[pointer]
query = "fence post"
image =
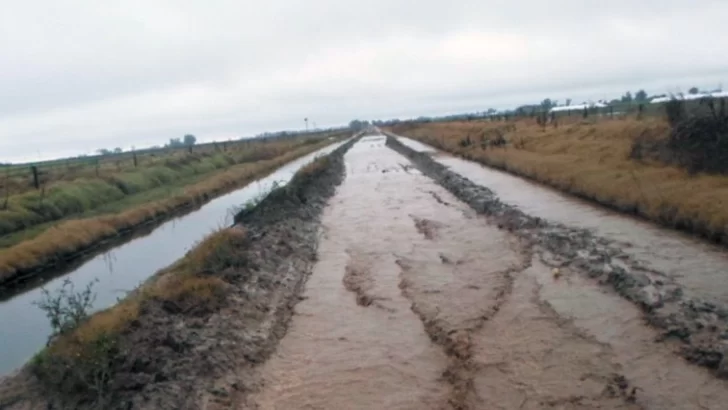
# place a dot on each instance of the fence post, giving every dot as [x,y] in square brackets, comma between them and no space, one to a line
[133,154]
[34,170]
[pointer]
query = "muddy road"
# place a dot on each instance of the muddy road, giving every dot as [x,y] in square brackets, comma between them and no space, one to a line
[417,302]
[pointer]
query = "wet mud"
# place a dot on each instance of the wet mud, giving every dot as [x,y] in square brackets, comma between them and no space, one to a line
[700,328]
[444,309]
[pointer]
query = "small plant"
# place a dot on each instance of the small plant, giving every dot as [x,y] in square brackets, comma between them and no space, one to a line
[66,309]
[75,361]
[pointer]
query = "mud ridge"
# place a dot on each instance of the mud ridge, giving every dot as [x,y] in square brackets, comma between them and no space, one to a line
[208,358]
[457,343]
[700,326]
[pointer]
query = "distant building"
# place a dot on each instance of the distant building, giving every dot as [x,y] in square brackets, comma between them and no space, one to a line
[578,107]
[688,97]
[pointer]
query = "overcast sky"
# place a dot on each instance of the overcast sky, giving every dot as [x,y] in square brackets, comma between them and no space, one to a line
[77,75]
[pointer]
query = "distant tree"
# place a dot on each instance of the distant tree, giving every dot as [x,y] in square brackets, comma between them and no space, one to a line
[175,143]
[546,104]
[104,151]
[189,139]
[640,96]
[357,125]
[693,90]
[117,150]
[568,102]
[627,97]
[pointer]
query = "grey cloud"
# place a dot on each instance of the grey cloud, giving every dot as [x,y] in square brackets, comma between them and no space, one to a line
[80,74]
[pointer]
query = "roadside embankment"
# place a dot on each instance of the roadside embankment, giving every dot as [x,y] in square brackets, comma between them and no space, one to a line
[73,239]
[699,326]
[191,336]
[624,164]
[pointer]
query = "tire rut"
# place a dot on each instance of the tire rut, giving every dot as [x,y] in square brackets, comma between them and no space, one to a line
[456,343]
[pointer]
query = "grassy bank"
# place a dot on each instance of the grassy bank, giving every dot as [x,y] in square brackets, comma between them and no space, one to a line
[162,332]
[64,240]
[594,159]
[78,191]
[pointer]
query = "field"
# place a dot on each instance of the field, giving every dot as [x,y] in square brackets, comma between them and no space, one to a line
[599,159]
[76,209]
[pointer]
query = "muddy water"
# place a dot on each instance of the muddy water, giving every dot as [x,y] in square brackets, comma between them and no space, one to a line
[354,342]
[24,328]
[417,303]
[663,380]
[700,267]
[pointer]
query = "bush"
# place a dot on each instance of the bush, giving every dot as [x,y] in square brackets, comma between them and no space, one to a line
[72,363]
[699,139]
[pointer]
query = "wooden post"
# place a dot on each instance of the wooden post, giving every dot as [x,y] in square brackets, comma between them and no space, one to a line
[133,154]
[34,170]
[190,149]
[7,188]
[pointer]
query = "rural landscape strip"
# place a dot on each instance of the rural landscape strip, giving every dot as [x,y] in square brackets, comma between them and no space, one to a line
[632,166]
[193,334]
[698,325]
[74,239]
[75,192]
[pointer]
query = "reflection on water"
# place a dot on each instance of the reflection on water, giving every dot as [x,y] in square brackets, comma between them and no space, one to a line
[24,328]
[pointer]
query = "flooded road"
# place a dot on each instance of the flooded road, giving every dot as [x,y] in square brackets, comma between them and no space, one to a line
[416,302]
[24,329]
[700,267]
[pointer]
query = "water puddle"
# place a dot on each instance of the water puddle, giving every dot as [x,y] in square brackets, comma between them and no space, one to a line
[698,266]
[24,328]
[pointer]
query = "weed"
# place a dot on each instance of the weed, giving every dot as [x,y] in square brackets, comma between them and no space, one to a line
[66,309]
[68,362]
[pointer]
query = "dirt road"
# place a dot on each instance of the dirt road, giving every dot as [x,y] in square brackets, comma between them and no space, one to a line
[418,303]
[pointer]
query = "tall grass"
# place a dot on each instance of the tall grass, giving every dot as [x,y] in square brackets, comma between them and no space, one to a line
[68,238]
[63,198]
[595,160]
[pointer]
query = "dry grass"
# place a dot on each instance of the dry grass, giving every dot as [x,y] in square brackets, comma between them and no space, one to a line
[72,236]
[84,359]
[592,159]
[69,192]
